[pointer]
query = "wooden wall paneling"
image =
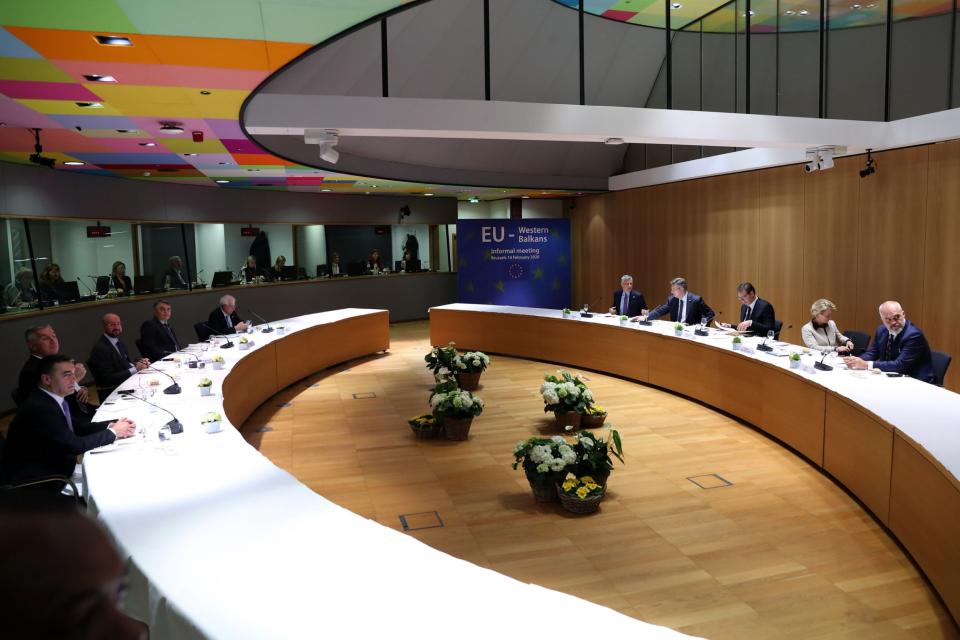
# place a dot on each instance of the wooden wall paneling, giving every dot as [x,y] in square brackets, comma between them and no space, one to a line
[941,281]
[858,451]
[925,516]
[830,240]
[732,202]
[660,260]
[780,247]
[892,221]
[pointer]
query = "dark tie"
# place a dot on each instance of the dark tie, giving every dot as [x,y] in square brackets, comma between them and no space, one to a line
[680,311]
[746,316]
[624,300]
[173,338]
[66,413]
[123,352]
[890,347]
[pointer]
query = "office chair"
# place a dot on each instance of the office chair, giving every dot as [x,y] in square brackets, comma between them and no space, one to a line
[860,341]
[941,362]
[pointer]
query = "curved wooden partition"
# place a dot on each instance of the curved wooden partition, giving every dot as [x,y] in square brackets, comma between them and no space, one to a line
[894,443]
[263,372]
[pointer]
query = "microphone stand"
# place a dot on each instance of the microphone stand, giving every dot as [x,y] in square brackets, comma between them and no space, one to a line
[763,346]
[225,345]
[261,319]
[172,389]
[197,363]
[701,329]
[820,365]
[87,286]
[174,424]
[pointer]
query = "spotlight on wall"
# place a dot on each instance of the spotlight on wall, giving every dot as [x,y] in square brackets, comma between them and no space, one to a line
[870,168]
[821,158]
[327,141]
[404,213]
[812,164]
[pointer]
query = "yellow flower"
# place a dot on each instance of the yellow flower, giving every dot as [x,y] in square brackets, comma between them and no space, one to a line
[583,492]
[591,486]
[569,484]
[587,480]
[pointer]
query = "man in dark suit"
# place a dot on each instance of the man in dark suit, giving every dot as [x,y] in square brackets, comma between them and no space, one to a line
[756,314]
[41,342]
[627,302]
[110,361]
[683,306]
[49,431]
[157,338]
[899,346]
[224,319]
[173,278]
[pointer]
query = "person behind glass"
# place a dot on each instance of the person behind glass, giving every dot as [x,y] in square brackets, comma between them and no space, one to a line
[407,263]
[21,291]
[50,283]
[627,302]
[110,361]
[41,342]
[173,277]
[898,347]
[157,338]
[251,271]
[682,306]
[276,271]
[224,319]
[119,279]
[757,316]
[334,265]
[373,264]
[821,333]
[50,431]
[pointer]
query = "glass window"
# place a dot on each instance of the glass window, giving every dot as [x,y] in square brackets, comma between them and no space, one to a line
[920,62]
[166,261]
[16,268]
[798,59]
[856,63]
[311,249]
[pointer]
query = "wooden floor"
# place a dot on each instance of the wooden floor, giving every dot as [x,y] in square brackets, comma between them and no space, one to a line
[782,553]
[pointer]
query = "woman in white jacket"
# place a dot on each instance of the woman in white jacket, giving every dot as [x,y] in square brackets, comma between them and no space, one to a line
[821,332]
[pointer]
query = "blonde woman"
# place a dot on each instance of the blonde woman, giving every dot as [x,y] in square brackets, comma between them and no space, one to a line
[821,333]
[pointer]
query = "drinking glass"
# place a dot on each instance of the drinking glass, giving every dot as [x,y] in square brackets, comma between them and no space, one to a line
[770,334]
[703,323]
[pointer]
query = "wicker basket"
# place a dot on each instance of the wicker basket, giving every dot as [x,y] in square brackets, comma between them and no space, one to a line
[457,428]
[543,491]
[469,381]
[568,419]
[592,420]
[428,432]
[577,505]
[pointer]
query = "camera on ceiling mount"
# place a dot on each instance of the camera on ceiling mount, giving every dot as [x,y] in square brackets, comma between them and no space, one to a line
[36,157]
[404,213]
[870,168]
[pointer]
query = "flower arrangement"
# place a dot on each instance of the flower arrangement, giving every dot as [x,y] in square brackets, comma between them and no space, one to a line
[583,487]
[565,312]
[678,329]
[471,362]
[594,454]
[217,359]
[205,382]
[737,342]
[244,340]
[424,426]
[564,393]
[593,417]
[595,410]
[442,360]
[211,416]
[456,404]
[795,357]
[544,462]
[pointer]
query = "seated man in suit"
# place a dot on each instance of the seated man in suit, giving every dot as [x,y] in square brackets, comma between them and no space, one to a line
[174,278]
[898,346]
[627,302]
[41,342]
[110,361]
[683,306]
[49,431]
[157,338]
[224,319]
[334,268]
[756,314]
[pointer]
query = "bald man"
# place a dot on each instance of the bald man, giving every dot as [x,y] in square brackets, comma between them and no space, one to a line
[898,347]
[110,361]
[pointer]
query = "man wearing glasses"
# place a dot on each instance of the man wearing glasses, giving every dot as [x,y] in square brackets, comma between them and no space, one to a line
[897,347]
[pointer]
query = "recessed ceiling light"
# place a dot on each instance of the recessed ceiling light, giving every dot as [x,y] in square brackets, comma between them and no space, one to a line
[803,12]
[428,194]
[126,131]
[324,190]
[223,163]
[189,155]
[751,13]
[146,174]
[474,200]
[89,105]
[253,169]
[114,41]
[525,197]
[93,77]
[74,163]
[148,144]
[204,92]
[676,5]
[366,193]
[222,181]
[855,7]
[789,12]
[171,128]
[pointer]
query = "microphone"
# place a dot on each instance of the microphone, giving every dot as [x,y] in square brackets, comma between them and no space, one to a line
[585,312]
[174,424]
[196,364]
[225,345]
[172,389]
[197,276]
[763,345]
[820,365]
[261,319]
[86,285]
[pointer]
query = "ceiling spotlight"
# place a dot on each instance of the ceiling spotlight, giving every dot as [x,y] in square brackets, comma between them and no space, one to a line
[803,12]
[204,92]
[93,77]
[324,190]
[428,194]
[870,169]
[74,163]
[222,181]
[189,155]
[114,41]
[148,144]
[855,7]
[676,5]
[821,158]
[89,105]
[613,141]
[171,128]
[474,200]
[789,12]
[146,174]
[327,140]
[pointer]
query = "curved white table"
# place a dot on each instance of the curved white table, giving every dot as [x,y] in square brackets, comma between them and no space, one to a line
[223,544]
[893,442]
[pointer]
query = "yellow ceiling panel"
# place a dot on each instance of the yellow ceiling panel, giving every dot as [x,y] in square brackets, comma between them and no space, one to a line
[69,108]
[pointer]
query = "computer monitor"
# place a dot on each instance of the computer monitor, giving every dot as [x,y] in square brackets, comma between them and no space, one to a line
[289,272]
[301,273]
[144,283]
[103,285]
[411,265]
[356,268]
[68,291]
[221,279]
[322,270]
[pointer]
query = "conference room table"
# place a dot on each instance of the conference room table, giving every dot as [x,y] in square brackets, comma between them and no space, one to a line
[221,543]
[894,443]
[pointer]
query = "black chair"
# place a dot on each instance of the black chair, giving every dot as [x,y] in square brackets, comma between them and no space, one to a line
[139,343]
[356,268]
[322,270]
[777,326]
[17,400]
[941,362]
[203,333]
[860,341]
[48,485]
[103,285]
[143,284]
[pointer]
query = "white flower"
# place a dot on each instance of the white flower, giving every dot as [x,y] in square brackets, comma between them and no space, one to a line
[477,401]
[569,427]
[587,395]
[466,400]
[543,468]
[461,365]
[557,465]
[519,447]
[476,363]
[587,443]
[551,397]
[567,454]
[435,400]
[558,439]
